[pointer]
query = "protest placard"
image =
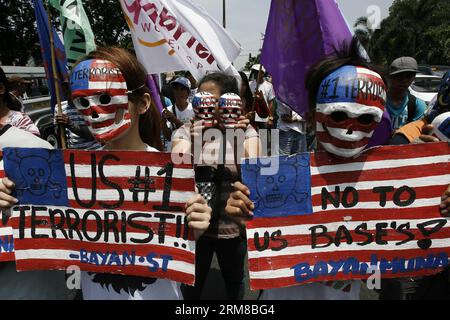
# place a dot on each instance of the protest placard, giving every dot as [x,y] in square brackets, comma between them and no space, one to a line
[323,219]
[110,212]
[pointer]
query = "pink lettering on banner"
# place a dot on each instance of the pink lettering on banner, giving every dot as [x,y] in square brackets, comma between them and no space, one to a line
[171,24]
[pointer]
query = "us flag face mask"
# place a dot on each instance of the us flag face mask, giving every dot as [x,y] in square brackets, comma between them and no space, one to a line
[99,92]
[350,104]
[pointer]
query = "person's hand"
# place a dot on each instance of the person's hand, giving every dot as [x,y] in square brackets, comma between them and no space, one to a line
[258,95]
[426,134]
[6,188]
[239,206]
[242,123]
[198,214]
[169,116]
[445,203]
[63,119]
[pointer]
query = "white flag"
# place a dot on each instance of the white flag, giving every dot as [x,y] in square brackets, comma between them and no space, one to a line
[174,35]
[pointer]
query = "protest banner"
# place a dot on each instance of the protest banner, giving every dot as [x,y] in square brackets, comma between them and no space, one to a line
[109,212]
[176,35]
[322,219]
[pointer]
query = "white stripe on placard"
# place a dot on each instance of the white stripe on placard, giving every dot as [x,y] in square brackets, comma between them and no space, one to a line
[381,164]
[441,180]
[6,231]
[48,254]
[390,246]
[304,229]
[126,171]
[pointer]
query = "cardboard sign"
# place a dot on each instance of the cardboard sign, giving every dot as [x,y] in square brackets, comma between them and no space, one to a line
[321,219]
[108,212]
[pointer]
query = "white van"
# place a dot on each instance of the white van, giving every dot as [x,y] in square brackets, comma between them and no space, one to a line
[37,99]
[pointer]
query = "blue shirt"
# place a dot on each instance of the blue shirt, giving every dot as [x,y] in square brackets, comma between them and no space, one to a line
[399,114]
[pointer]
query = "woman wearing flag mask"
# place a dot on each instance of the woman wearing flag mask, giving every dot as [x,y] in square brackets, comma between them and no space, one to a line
[337,134]
[134,129]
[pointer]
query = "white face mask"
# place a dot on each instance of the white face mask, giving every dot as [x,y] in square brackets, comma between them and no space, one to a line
[99,91]
[350,104]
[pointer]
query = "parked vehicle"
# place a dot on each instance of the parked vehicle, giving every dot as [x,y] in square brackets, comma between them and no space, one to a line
[37,99]
[425,87]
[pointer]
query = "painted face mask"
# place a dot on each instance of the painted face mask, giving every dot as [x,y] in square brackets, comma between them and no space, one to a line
[204,105]
[230,107]
[99,92]
[350,104]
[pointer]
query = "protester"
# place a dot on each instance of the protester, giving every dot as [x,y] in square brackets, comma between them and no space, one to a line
[292,130]
[224,237]
[403,107]
[77,132]
[239,205]
[266,88]
[246,95]
[133,130]
[7,107]
[18,90]
[434,286]
[181,112]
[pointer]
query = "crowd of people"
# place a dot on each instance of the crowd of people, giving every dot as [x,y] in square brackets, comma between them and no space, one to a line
[219,211]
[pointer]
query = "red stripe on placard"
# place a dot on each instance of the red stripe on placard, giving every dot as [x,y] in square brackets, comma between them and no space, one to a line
[47,264]
[407,172]
[178,184]
[140,250]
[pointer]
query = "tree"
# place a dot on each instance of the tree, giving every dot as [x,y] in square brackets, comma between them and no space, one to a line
[417,28]
[18,36]
[364,31]
[19,39]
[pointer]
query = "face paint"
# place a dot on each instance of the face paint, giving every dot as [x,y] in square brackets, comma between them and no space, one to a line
[441,126]
[99,90]
[230,107]
[350,104]
[442,103]
[204,105]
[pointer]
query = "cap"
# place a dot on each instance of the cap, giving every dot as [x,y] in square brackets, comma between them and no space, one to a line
[18,80]
[256,68]
[183,81]
[403,64]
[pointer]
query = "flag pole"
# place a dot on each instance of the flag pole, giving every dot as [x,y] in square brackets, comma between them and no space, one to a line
[56,81]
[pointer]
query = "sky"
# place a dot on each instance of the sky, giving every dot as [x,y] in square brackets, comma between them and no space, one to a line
[246,19]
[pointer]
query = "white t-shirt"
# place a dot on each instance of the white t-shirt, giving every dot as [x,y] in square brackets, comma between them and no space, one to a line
[118,287]
[299,125]
[266,89]
[184,116]
[346,290]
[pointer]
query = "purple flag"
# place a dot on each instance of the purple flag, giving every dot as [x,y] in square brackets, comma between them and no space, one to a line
[299,34]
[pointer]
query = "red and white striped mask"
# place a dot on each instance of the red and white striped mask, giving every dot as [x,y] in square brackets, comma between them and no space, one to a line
[99,91]
[204,105]
[230,107]
[350,104]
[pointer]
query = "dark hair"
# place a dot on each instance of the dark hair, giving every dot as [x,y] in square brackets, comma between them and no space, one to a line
[136,79]
[349,54]
[247,95]
[11,103]
[228,84]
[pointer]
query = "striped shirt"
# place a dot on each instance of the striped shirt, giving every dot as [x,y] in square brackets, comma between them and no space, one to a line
[21,121]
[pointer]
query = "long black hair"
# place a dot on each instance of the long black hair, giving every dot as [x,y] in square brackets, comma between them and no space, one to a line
[9,101]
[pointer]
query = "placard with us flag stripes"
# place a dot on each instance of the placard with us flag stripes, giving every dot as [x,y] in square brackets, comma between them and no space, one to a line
[321,219]
[109,212]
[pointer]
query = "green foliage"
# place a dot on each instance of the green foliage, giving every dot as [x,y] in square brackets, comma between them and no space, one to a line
[251,61]
[19,39]
[417,28]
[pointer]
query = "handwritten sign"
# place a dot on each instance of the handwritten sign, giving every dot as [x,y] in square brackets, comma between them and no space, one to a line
[108,212]
[322,219]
